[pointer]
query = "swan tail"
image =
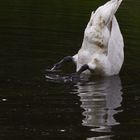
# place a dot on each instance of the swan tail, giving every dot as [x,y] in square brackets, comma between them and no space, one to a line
[104,14]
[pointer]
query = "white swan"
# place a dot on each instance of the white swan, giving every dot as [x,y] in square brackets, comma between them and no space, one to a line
[102,48]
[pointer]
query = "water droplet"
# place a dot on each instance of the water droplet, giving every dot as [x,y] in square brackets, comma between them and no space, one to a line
[4,100]
[62,130]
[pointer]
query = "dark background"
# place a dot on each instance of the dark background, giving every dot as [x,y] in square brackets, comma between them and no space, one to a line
[36,34]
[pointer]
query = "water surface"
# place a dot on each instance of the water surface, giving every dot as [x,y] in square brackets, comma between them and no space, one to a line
[36,34]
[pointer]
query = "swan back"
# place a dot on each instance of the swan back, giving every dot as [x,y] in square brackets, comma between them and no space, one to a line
[102,47]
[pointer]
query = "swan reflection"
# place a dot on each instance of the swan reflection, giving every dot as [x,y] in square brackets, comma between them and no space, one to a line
[100,138]
[100,99]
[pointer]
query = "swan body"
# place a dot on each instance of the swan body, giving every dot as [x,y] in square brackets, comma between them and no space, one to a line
[102,47]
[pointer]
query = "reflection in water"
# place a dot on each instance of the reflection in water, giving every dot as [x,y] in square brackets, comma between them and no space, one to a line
[100,138]
[100,99]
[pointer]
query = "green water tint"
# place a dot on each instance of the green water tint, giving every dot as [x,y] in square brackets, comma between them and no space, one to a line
[36,34]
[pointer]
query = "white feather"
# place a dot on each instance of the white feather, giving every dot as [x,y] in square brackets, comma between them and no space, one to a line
[102,47]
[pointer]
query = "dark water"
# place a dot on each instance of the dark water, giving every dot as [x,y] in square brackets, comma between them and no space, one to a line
[36,34]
